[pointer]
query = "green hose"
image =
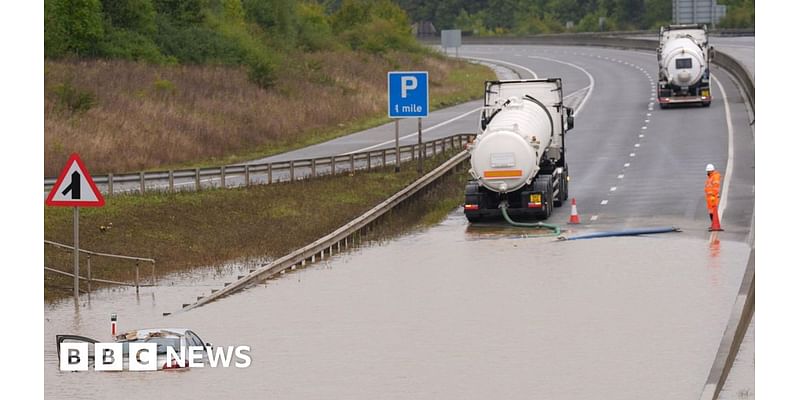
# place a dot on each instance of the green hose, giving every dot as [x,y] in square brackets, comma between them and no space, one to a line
[556,230]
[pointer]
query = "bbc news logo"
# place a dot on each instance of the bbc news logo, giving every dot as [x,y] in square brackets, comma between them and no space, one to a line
[145,357]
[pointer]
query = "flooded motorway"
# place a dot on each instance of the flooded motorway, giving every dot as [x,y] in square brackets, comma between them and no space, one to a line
[445,312]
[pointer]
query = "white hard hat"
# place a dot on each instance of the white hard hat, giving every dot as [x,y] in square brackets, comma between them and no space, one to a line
[709,167]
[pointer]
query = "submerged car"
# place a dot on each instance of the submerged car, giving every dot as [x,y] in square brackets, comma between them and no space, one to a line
[176,338]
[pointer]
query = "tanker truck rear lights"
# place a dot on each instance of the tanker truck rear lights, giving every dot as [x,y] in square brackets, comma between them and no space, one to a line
[502,173]
[471,207]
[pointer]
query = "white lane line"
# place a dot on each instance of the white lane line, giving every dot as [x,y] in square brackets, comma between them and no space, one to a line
[627,164]
[415,133]
[604,202]
[649,114]
[647,121]
[641,135]
[613,189]
[637,145]
[620,176]
[644,128]
[633,154]
[577,92]
[723,201]
[578,67]
[594,218]
[501,62]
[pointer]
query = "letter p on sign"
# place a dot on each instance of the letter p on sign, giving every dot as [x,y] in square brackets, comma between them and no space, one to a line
[407,83]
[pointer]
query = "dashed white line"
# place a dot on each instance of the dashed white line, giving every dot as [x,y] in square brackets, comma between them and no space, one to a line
[641,135]
[627,164]
[613,189]
[637,145]
[620,176]
[633,154]
[644,128]
[604,202]
[594,218]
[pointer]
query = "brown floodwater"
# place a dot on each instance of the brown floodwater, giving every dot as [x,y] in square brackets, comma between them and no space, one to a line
[445,312]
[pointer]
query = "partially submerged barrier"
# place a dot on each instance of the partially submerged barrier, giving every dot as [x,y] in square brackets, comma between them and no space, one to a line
[342,238]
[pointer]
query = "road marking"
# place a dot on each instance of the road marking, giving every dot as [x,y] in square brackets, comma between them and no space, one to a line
[636,145]
[578,67]
[594,218]
[491,60]
[415,133]
[644,128]
[649,114]
[641,135]
[627,164]
[633,154]
[620,176]
[647,121]
[604,202]
[723,202]
[613,189]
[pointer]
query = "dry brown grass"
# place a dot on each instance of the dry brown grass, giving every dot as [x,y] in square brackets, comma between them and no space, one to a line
[148,116]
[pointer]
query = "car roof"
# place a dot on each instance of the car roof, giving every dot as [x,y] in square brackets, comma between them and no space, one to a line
[143,333]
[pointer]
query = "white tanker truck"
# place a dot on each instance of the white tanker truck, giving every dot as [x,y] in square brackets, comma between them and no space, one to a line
[517,162]
[683,65]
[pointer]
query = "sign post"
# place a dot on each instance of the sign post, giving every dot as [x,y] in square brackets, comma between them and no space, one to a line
[75,188]
[408,98]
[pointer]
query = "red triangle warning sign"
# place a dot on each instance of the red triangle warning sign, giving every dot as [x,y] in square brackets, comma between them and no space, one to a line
[75,187]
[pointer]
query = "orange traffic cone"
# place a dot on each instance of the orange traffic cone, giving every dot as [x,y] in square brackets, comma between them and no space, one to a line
[715,227]
[574,218]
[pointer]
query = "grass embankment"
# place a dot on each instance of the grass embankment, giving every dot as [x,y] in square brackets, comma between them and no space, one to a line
[185,230]
[126,116]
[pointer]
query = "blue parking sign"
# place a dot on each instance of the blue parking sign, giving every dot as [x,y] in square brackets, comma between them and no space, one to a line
[408,94]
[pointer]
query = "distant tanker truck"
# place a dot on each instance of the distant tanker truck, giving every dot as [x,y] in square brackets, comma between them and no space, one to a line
[683,65]
[517,162]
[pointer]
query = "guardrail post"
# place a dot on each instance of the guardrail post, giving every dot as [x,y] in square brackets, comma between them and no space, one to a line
[247,174]
[269,173]
[369,161]
[460,145]
[110,184]
[171,181]
[222,176]
[352,164]
[313,167]
[333,165]
[197,179]
[88,272]
[137,277]
[153,271]
[291,171]
[452,143]
[141,182]
[383,158]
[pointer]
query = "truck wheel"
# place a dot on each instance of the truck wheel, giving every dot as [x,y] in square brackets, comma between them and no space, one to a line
[544,184]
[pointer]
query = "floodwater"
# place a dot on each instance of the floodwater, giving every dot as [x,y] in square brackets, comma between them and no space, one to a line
[446,312]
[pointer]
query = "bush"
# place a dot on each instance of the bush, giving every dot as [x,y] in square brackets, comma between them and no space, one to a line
[314,29]
[262,73]
[133,15]
[72,100]
[130,45]
[374,26]
[72,27]
[195,44]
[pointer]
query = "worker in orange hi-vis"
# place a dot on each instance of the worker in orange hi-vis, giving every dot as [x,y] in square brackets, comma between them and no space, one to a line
[713,183]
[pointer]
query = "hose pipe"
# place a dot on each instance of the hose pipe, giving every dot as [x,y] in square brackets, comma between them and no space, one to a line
[556,230]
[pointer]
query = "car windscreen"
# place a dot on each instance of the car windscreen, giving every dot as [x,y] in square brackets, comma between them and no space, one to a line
[683,63]
[162,343]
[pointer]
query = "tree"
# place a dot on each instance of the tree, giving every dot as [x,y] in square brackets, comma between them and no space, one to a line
[72,26]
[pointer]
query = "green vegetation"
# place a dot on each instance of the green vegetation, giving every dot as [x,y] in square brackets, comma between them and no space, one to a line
[154,84]
[526,17]
[186,230]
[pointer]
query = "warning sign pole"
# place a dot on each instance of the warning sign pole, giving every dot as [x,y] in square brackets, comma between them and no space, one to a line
[76,252]
[75,188]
